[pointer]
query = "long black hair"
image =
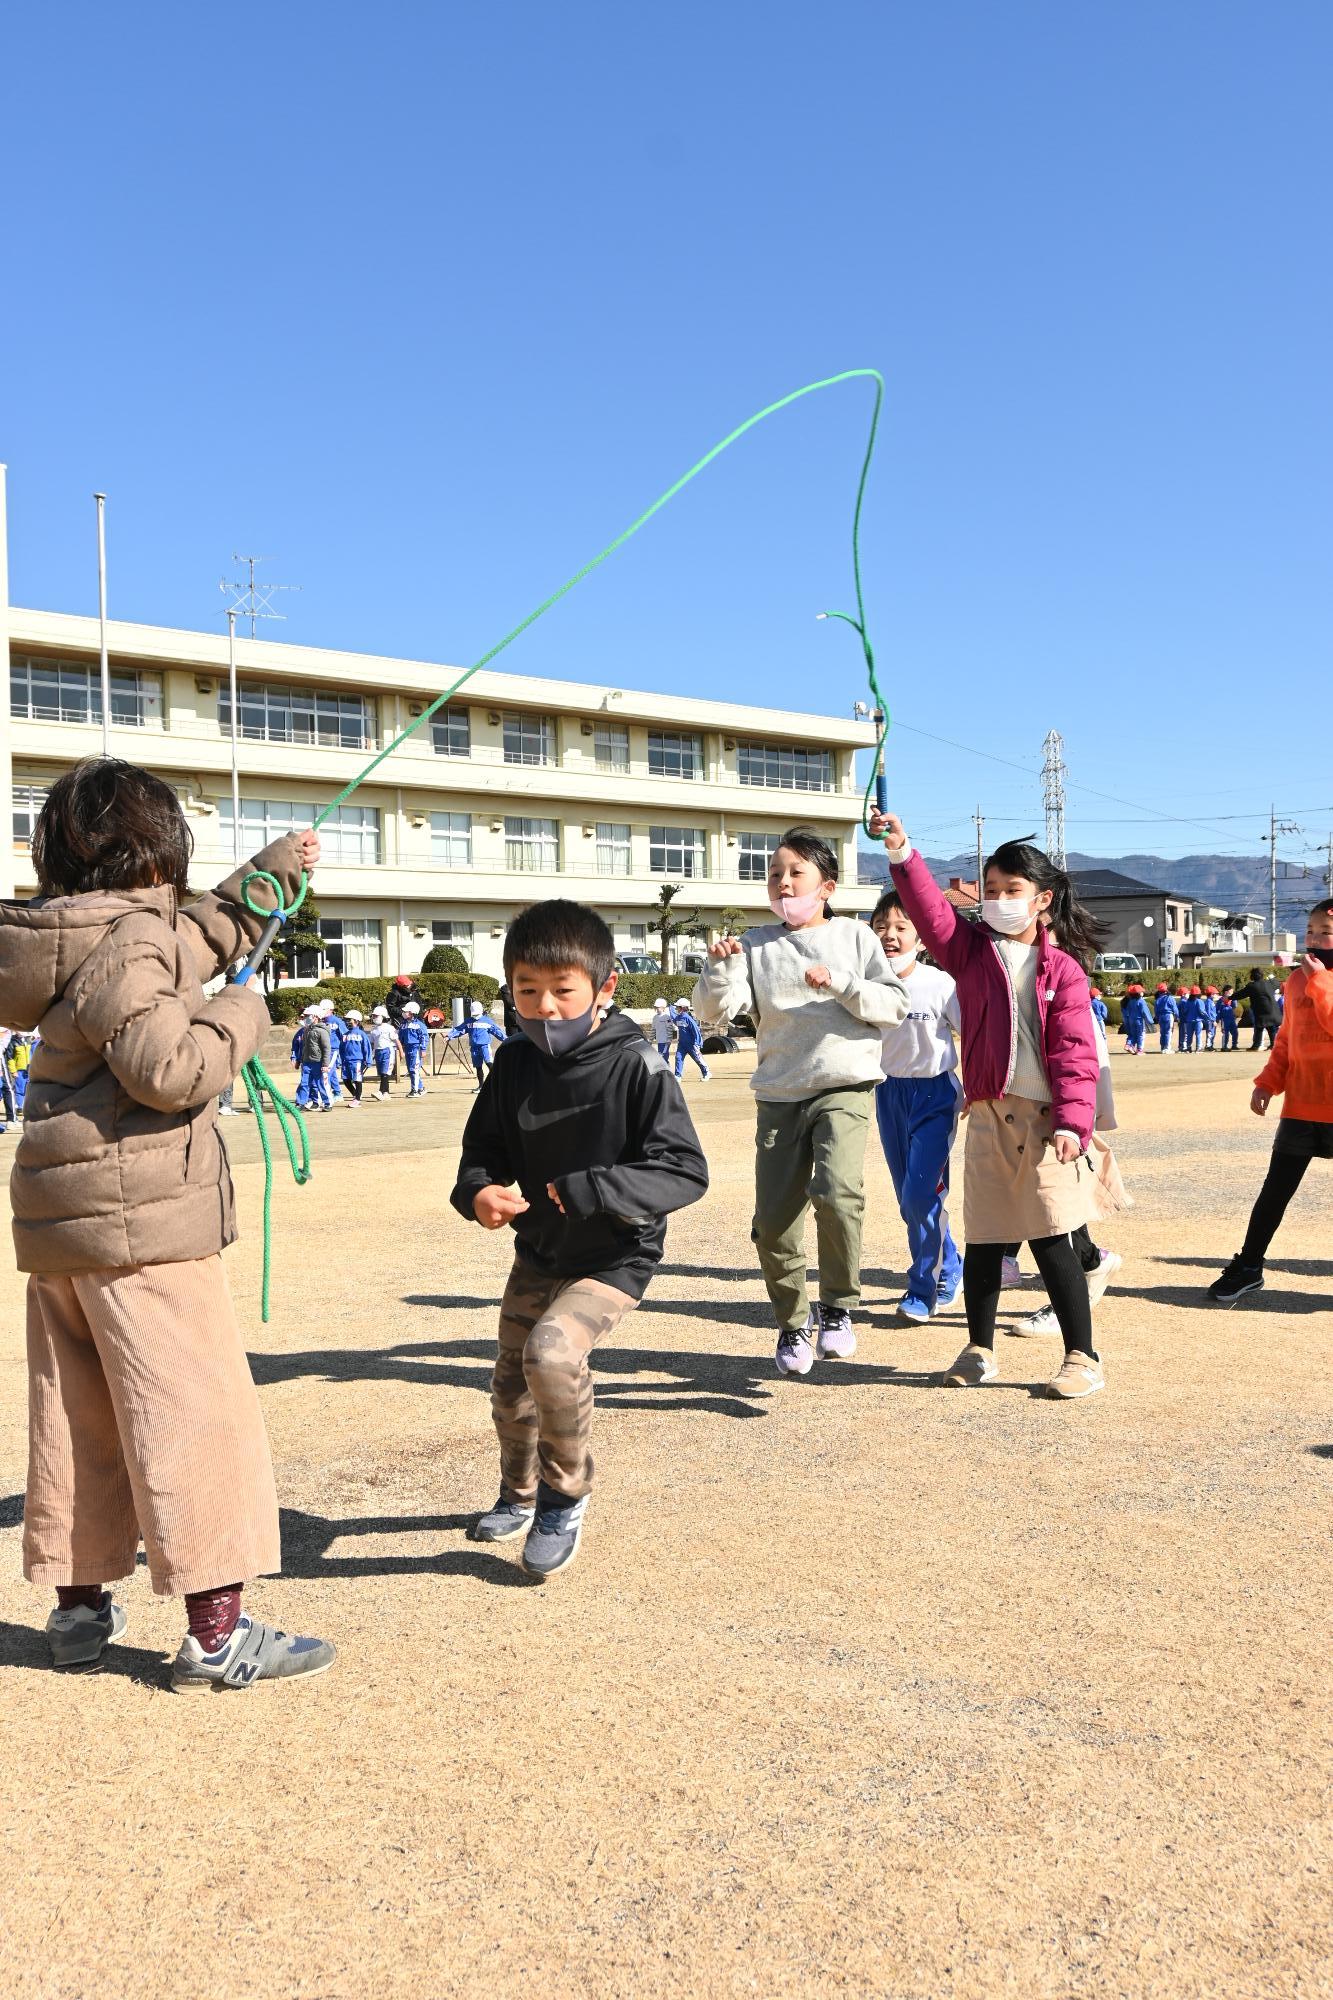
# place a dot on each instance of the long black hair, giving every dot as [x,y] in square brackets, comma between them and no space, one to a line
[812,847]
[1076,930]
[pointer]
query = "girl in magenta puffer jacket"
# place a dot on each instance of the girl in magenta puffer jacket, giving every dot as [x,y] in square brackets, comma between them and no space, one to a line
[1030,1067]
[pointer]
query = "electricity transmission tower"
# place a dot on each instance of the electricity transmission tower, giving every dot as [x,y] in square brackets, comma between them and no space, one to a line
[1053,794]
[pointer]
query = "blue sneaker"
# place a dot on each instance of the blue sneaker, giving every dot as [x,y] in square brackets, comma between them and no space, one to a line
[553,1538]
[915,1310]
[946,1294]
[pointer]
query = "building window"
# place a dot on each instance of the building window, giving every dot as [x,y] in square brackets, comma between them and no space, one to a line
[611,746]
[446,931]
[531,845]
[785,768]
[529,739]
[676,850]
[451,839]
[674,754]
[28,802]
[754,851]
[300,715]
[451,732]
[638,937]
[67,691]
[352,946]
[351,834]
[612,847]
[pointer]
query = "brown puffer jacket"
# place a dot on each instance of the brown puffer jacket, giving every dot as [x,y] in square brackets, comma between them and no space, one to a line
[121,1161]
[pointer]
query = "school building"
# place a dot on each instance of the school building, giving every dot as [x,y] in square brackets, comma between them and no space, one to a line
[520,789]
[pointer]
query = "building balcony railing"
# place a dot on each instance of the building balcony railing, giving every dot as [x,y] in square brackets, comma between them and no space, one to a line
[213,854]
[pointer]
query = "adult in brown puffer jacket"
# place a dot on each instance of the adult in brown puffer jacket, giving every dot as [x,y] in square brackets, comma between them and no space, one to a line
[143,1416]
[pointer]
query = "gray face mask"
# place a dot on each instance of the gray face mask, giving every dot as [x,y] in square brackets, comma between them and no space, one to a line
[558,1037]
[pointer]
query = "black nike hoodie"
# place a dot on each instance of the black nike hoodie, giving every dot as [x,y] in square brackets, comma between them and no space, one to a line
[608,1127]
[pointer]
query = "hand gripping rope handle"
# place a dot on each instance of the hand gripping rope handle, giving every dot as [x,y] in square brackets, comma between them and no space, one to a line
[276,917]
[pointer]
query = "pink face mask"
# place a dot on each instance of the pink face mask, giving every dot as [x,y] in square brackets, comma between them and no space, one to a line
[795,909]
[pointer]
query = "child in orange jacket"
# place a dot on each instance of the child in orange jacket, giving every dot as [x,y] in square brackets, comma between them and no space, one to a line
[1300,1071]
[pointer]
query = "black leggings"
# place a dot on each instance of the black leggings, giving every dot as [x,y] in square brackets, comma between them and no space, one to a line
[1285,1173]
[1089,1256]
[1062,1271]
[352,1085]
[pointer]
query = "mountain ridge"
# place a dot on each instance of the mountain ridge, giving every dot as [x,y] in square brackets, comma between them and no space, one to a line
[1225,881]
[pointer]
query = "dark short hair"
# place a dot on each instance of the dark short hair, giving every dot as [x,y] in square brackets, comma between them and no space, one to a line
[890,900]
[1324,909]
[550,936]
[110,825]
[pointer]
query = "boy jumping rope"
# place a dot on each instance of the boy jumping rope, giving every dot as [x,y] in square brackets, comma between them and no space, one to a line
[589,1122]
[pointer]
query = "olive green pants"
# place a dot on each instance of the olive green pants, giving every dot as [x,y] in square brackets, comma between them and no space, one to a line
[811,1153]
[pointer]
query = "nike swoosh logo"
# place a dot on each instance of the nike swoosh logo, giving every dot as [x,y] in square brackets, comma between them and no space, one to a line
[532,1121]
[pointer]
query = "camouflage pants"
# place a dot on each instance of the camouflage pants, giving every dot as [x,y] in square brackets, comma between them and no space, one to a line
[541,1391]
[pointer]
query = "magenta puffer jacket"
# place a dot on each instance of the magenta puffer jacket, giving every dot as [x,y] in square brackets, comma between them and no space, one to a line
[986,1002]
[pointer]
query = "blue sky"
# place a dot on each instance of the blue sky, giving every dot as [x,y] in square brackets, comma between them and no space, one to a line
[427,302]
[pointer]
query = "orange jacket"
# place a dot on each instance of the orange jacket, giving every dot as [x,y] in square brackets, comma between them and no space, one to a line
[1301,1064]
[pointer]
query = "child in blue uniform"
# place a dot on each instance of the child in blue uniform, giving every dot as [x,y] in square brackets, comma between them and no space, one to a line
[414,1037]
[1210,1017]
[1166,1012]
[917,1107]
[337,1028]
[316,1055]
[1134,1019]
[1227,1020]
[481,1032]
[1099,1007]
[1191,1021]
[689,1039]
[356,1056]
[384,1045]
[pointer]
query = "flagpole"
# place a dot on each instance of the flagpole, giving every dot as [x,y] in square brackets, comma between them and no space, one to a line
[100,498]
[235,751]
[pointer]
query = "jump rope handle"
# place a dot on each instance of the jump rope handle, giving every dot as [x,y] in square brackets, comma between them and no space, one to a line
[261,950]
[274,920]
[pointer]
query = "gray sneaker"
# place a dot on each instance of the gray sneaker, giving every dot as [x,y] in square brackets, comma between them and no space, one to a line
[836,1340]
[253,1652]
[553,1538]
[795,1351]
[506,1519]
[80,1636]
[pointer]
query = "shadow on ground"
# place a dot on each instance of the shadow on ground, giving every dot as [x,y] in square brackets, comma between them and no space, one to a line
[307,1539]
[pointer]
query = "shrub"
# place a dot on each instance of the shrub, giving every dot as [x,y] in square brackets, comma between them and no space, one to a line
[444,958]
[437,989]
[640,989]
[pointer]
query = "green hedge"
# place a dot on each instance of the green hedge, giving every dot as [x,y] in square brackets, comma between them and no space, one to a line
[437,989]
[640,989]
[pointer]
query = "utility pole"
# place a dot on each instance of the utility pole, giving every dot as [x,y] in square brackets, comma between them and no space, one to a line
[1328,871]
[1276,827]
[980,822]
[1053,794]
[100,499]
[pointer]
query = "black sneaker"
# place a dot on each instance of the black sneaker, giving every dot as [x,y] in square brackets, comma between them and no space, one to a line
[1235,1282]
[506,1519]
[553,1538]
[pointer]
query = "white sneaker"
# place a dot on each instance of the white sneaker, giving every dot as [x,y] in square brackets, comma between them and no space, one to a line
[1031,1324]
[1099,1279]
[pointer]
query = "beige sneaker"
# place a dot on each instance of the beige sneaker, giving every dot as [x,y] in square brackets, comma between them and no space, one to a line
[1099,1279]
[1079,1375]
[974,1366]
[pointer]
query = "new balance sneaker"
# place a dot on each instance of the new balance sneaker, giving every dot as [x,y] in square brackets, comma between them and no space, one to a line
[836,1341]
[795,1352]
[251,1652]
[79,1637]
[1039,1322]
[506,1519]
[914,1310]
[1235,1282]
[1079,1375]
[1099,1279]
[974,1366]
[553,1538]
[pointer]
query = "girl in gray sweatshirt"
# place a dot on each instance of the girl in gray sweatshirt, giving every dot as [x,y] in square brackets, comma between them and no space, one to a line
[820,992]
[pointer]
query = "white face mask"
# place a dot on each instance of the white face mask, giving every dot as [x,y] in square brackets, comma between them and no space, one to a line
[903,963]
[1007,914]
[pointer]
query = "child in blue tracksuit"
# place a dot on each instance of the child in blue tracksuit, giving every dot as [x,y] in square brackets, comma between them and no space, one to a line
[414,1037]
[1134,1019]
[384,1047]
[356,1056]
[917,1106]
[481,1032]
[1227,1020]
[1210,1017]
[1192,1021]
[1166,1012]
[337,1028]
[689,1039]
[1099,1007]
[315,1057]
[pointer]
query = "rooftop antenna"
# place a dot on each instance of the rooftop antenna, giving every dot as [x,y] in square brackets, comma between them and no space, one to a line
[1053,794]
[254,601]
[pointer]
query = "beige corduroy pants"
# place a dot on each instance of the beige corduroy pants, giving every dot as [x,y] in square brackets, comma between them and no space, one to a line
[143,1423]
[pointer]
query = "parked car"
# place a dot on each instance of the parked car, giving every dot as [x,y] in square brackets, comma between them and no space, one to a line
[695,962]
[637,961]
[1116,961]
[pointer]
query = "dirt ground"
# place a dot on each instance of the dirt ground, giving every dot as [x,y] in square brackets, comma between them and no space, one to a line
[859,1686]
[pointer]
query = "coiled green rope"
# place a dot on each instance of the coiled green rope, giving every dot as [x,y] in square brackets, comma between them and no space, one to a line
[258,1083]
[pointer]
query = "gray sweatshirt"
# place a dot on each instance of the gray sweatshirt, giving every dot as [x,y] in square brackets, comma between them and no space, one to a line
[809,1039]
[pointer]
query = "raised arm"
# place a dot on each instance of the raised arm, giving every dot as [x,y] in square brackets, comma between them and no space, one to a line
[218,928]
[725,989]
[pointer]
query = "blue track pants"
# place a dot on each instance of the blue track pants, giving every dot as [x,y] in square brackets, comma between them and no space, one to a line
[313,1086]
[918,1116]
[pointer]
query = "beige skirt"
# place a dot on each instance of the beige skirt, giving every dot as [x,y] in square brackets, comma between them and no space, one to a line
[1014,1188]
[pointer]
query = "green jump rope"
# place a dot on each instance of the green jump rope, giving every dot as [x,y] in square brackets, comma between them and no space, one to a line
[259,1085]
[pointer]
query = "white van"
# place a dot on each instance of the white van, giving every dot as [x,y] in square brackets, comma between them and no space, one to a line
[1116,961]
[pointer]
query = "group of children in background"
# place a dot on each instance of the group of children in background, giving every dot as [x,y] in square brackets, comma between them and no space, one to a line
[675,1021]
[336,1051]
[142,1404]
[1198,1016]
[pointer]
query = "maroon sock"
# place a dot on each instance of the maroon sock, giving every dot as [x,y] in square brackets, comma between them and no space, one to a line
[68,1595]
[213,1614]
